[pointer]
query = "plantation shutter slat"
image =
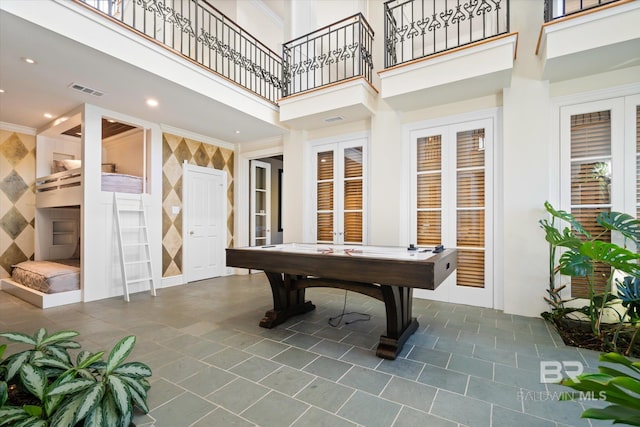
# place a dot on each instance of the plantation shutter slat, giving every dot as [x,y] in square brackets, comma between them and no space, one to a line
[429,228]
[591,184]
[470,207]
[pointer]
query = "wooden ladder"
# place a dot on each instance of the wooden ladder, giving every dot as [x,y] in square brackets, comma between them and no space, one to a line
[136,225]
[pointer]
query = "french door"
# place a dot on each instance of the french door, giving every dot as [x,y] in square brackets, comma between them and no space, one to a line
[260,227]
[340,192]
[600,169]
[452,203]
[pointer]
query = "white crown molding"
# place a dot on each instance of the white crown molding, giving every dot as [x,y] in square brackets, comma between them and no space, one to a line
[17,128]
[197,137]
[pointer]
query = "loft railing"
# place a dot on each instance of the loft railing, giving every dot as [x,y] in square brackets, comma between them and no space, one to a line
[554,9]
[200,32]
[418,28]
[331,54]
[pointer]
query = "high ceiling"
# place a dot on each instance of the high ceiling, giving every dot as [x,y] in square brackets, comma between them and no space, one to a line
[31,90]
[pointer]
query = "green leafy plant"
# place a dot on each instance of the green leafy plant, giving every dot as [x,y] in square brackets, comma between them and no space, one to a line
[620,387]
[93,391]
[581,251]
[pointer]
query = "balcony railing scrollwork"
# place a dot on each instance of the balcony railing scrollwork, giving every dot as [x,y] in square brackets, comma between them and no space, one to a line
[554,9]
[334,53]
[418,28]
[200,32]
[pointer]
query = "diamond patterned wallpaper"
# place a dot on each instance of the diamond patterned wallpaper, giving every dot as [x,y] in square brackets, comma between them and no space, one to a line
[176,149]
[17,199]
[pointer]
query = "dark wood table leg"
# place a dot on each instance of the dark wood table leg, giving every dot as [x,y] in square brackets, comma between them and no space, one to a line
[400,325]
[287,300]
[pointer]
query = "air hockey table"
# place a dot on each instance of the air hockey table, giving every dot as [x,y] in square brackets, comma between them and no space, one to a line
[388,274]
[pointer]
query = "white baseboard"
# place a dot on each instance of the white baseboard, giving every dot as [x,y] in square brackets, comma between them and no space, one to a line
[170,281]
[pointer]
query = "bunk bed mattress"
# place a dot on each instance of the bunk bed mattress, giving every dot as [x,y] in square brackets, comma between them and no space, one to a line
[48,276]
[121,183]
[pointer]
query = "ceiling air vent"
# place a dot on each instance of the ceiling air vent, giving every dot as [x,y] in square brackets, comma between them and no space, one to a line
[87,90]
[333,119]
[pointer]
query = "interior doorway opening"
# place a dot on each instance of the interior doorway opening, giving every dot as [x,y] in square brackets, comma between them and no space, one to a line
[265,201]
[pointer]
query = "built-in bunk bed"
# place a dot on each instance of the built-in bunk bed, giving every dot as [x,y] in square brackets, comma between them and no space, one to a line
[54,278]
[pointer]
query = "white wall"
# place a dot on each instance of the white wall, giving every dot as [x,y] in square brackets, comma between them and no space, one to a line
[262,23]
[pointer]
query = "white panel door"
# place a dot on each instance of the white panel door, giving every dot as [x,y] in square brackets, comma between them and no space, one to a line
[205,206]
[260,226]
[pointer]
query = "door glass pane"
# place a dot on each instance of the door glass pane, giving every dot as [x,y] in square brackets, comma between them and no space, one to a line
[471,188]
[261,181]
[261,201]
[325,227]
[470,203]
[472,271]
[429,190]
[325,165]
[353,194]
[261,226]
[591,184]
[429,153]
[470,148]
[429,228]
[353,162]
[353,227]
[471,228]
[325,196]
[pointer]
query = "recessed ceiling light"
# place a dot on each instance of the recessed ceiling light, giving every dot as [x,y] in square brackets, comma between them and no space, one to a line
[48,116]
[29,60]
[152,102]
[1,90]
[237,131]
[111,120]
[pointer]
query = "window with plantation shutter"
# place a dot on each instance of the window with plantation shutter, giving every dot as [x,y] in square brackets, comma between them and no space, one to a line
[591,184]
[600,171]
[340,192]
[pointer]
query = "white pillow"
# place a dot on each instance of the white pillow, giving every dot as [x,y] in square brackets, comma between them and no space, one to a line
[70,164]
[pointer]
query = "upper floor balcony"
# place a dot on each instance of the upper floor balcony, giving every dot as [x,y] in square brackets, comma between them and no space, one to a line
[201,33]
[327,75]
[586,37]
[441,51]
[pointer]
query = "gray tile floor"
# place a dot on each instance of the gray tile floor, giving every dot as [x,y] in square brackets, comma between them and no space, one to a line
[213,366]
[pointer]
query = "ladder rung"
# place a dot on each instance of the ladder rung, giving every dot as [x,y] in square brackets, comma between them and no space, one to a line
[144,261]
[144,279]
[137,227]
[130,210]
[135,244]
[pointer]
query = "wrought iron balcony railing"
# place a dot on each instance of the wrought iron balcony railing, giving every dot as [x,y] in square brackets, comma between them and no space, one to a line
[200,32]
[331,54]
[554,9]
[418,28]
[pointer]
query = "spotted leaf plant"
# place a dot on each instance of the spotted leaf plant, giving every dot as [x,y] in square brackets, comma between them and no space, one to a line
[91,392]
